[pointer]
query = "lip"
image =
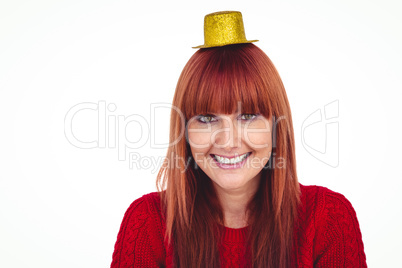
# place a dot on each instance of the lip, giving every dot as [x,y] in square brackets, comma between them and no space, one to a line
[230,157]
[231,166]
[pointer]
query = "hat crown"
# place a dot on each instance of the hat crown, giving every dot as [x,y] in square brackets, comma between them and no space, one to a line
[224,28]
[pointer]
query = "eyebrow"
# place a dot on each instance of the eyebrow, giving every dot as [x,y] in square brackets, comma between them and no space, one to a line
[215,114]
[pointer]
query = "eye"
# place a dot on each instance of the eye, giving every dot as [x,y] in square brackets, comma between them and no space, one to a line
[205,119]
[248,116]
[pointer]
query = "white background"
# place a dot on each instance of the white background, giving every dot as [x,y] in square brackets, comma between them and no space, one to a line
[61,206]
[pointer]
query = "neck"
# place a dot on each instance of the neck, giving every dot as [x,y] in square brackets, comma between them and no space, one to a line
[234,203]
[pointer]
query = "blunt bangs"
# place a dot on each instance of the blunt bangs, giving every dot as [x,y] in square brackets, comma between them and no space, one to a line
[224,79]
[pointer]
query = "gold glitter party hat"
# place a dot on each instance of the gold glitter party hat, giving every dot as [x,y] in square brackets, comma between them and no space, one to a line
[224,28]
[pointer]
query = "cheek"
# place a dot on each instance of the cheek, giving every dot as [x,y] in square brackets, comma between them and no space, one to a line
[200,143]
[258,135]
[259,140]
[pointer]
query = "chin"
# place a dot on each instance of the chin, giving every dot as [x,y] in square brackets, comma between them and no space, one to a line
[229,183]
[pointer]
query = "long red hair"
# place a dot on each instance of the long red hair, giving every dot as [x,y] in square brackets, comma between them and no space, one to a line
[213,81]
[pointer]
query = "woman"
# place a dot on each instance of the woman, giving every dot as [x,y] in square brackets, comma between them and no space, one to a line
[228,191]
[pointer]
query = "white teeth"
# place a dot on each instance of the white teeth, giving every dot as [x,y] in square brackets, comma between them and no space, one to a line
[234,160]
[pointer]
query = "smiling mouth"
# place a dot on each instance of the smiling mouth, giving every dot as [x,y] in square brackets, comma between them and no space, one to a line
[230,161]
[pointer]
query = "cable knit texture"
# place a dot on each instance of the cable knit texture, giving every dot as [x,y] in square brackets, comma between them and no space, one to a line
[327,234]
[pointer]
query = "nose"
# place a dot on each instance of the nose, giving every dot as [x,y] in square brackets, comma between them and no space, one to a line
[227,135]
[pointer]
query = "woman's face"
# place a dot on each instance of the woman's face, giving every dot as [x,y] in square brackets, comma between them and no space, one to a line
[231,149]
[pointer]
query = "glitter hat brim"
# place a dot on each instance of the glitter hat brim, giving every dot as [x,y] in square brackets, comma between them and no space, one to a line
[221,45]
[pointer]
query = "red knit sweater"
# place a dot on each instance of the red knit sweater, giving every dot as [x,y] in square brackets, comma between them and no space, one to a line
[328,234]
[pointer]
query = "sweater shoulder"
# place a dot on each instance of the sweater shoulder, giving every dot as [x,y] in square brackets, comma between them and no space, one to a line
[312,200]
[148,208]
[140,238]
[144,207]
[340,210]
[321,197]
[338,238]
[325,198]
[320,204]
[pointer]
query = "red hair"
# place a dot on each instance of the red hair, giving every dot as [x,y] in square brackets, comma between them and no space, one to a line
[213,81]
